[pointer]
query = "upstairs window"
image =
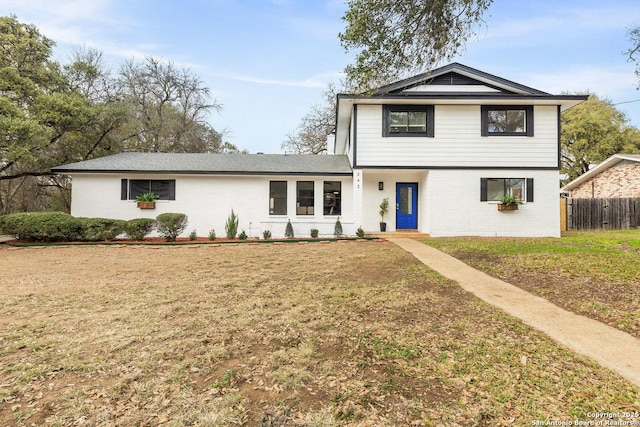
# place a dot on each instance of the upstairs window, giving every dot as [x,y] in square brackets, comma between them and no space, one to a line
[304,199]
[494,188]
[277,197]
[511,120]
[407,120]
[132,188]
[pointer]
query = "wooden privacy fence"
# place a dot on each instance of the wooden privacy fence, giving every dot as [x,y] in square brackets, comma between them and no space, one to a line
[596,214]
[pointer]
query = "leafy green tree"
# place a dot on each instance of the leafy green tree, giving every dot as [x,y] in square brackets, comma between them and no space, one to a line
[43,120]
[393,37]
[51,115]
[593,131]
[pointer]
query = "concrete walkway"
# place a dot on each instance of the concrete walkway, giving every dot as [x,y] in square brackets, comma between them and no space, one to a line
[608,346]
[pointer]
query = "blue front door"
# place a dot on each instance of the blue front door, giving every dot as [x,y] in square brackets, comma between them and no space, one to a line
[406,206]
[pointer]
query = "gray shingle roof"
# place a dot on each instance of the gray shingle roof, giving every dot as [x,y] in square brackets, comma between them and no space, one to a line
[204,163]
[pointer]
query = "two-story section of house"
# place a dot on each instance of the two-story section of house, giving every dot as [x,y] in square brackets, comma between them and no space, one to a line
[445,145]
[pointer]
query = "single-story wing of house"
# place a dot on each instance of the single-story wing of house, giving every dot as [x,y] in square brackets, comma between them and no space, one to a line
[442,147]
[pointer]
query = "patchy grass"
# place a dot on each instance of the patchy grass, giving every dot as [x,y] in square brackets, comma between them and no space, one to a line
[310,335]
[593,273]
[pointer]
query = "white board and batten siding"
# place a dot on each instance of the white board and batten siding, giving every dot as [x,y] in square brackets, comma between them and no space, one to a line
[457,141]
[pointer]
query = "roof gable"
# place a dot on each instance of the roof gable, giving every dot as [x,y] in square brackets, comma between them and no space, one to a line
[456,77]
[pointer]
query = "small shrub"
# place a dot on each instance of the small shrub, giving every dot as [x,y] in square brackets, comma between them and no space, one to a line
[139,228]
[288,230]
[242,236]
[212,235]
[170,225]
[360,232]
[314,233]
[97,229]
[231,227]
[266,234]
[42,226]
[337,229]
[193,235]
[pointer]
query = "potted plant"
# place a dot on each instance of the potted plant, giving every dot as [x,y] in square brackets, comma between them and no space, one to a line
[508,203]
[147,200]
[384,209]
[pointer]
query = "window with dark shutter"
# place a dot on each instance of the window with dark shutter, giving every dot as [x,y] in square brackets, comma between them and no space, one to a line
[164,188]
[494,188]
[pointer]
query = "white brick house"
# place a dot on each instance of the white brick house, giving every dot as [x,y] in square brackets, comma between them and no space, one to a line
[440,146]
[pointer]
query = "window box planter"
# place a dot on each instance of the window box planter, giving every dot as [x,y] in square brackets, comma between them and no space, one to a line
[147,200]
[509,207]
[146,205]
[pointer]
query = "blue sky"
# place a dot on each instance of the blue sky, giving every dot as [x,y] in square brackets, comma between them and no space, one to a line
[269,61]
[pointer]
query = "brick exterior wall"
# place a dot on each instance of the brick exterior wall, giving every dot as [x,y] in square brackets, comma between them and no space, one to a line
[621,180]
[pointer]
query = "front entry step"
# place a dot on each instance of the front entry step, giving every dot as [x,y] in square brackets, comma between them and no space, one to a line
[408,233]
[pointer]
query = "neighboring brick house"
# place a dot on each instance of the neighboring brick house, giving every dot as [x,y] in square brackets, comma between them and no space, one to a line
[618,176]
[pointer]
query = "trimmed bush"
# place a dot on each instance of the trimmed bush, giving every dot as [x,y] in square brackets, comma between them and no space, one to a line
[98,229]
[139,228]
[360,232]
[42,226]
[212,235]
[170,225]
[193,235]
[314,233]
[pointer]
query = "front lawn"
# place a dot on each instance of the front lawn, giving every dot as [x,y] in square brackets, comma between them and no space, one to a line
[595,273]
[272,335]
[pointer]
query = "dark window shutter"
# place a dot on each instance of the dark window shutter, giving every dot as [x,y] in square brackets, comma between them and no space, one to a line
[484,112]
[172,190]
[430,121]
[385,121]
[529,189]
[483,189]
[124,186]
[529,113]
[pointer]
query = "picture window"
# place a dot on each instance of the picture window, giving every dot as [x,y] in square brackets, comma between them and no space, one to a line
[407,120]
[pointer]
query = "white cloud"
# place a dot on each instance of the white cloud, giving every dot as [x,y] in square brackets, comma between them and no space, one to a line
[316,81]
[73,23]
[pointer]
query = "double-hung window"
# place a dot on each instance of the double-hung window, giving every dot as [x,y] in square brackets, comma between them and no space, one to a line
[132,188]
[507,120]
[277,197]
[332,200]
[495,188]
[407,120]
